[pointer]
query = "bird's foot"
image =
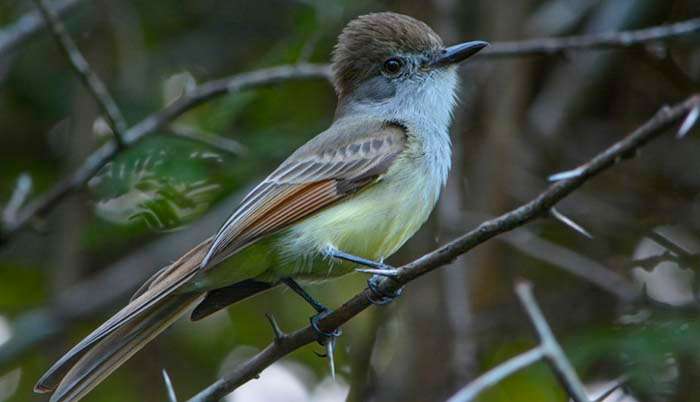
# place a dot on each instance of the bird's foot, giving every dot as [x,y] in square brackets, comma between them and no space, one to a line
[378,270]
[325,338]
[377,295]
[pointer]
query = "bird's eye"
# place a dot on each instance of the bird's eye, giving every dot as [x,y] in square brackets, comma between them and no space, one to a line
[392,66]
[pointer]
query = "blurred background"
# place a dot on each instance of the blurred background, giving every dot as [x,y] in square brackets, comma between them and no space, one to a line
[519,120]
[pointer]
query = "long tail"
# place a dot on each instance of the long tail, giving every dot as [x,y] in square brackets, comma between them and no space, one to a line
[106,348]
[109,353]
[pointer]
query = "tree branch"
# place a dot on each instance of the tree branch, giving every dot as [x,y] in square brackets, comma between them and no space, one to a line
[552,351]
[498,374]
[609,40]
[27,26]
[224,144]
[274,75]
[154,122]
[539,206]
[92,82]
[548,349]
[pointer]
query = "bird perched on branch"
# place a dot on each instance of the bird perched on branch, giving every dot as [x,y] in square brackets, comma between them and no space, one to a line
[350,196]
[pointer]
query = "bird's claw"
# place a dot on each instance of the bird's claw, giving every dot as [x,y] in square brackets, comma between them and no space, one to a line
[321,333]
[326,339]
[379,296]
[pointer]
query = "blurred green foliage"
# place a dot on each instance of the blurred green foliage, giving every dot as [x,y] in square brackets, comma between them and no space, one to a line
[167,183]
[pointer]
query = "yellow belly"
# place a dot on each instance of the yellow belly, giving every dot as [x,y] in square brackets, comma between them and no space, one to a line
[372,224]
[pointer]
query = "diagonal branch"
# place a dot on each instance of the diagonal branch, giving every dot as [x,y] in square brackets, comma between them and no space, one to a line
[27,26]
[539,206]
[274,75]
[551,348]
[548,349]
[92,82]
[608,40]
[155,122]
[498,374]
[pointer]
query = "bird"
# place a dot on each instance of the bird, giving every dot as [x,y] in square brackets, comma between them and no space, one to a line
[349,197]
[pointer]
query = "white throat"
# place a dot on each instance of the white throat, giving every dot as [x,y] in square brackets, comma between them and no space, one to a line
[426,108]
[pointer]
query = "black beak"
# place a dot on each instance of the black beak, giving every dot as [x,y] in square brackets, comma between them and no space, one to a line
[457,53]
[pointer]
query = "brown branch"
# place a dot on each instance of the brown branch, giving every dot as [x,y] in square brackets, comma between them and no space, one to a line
[539,206]
[274,75]
[548,349]
[92,82]
[154,122]
[609,40]
[27,26]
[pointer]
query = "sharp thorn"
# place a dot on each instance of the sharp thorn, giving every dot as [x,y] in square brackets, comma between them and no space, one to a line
[689,122]
[568,222]
[169,387]
[391,273]
[276,330]
[566,175]
[330,345]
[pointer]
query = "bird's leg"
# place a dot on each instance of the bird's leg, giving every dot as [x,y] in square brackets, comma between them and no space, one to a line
[377,268]
[326,339]
[292,284]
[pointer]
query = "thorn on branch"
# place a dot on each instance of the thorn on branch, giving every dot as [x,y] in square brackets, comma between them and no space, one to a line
[568,222]
[19,196]
[689,122]
[330,351]
[389,273]
[519,216]
[280,336]
[169,387]
[569,174]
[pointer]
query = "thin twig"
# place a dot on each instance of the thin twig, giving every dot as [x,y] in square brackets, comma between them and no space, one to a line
[13,36]
[216,141]
[498,374]
[89,78]
[279,74]
[667,243]
[610,40]
[552,351]
[155,122]
[548,349]
[654,127]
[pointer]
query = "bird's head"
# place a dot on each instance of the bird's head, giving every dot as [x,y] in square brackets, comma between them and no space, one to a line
[384,55]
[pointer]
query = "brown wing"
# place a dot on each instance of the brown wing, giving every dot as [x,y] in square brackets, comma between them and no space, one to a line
[323,171]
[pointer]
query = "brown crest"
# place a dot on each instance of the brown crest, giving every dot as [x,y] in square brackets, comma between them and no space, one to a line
[367,41]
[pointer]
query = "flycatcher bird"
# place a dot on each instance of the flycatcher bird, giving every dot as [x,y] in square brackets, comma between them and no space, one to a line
[350,196]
